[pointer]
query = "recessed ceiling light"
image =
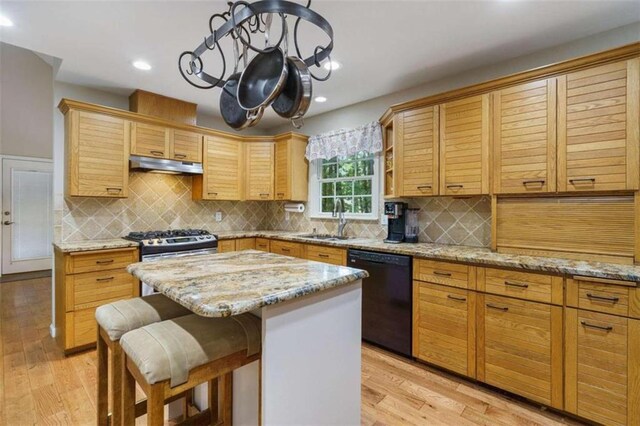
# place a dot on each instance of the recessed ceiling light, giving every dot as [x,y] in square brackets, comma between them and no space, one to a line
[332,65]
[320,99]
[5,22]
[142,65]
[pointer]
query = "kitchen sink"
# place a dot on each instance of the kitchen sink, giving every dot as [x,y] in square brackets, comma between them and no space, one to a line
[325,237]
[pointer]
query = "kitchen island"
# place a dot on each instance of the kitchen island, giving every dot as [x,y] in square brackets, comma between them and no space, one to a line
[311,330]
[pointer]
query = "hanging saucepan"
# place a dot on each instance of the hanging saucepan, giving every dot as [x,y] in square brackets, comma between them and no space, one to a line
[264,78]
[232,113]
[294,100]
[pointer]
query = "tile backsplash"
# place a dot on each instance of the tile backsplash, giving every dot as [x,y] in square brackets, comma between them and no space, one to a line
[158,201]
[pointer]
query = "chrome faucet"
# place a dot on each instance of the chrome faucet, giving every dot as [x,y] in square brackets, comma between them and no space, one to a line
[338,210]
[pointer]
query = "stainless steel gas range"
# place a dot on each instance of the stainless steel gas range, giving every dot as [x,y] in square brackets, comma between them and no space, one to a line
[157,245]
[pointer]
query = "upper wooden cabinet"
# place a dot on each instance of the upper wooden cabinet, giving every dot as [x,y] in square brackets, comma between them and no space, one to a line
[598,128]
[97,155]
[185,146]
[524,138]
[259,170]
[291,168]
[464,146]
[389,160]
[149,140]
[416,152]
[222,165]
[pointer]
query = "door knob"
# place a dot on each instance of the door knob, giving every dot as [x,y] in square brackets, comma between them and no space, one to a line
[6,222]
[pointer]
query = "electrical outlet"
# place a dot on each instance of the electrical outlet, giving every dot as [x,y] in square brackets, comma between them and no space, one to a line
[384,220]
[287,216]
[218,216]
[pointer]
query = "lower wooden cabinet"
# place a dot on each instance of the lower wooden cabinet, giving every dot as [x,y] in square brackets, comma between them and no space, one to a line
[602,367]
[262,244]
[444,327]
[287,248]
[520,347]
[225,246]
[333,255]
[84,281]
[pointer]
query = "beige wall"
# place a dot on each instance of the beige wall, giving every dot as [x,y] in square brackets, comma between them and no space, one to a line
[367,111]
[26,91]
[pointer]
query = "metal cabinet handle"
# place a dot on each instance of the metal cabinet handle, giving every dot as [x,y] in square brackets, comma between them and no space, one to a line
[285,249]
[264,194]
[180,155]
[101,280]
[584,179]
[530,182]
[113,189]
[514,284]
[443,274]
[212,193]
[424,186]
[597,327]
[104,262]
[458,298]
[323,255]
[457,185]
[499,308]
[605,298]
[8,222]
[157,152]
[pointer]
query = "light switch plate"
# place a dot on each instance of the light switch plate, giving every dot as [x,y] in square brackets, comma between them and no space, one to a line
[384,220]
[218,216]
[287,216]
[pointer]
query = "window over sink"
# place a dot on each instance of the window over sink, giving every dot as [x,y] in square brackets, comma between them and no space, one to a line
[353,179]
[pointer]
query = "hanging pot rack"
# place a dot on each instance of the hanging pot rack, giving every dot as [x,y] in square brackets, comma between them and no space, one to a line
[240,25]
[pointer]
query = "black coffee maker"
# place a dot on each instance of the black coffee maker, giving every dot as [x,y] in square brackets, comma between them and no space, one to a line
[396,216]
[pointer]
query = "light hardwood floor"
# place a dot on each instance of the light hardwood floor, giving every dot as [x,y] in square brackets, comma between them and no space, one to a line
[38,385]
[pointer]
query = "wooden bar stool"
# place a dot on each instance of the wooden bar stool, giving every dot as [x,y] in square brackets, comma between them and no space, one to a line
[114,320]
[174,356]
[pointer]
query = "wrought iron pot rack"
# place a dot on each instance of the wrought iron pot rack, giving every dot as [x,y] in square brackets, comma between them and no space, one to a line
[240,21]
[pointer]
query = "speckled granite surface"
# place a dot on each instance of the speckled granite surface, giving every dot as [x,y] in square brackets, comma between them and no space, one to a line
[220,285]
[473,255]
[114,243]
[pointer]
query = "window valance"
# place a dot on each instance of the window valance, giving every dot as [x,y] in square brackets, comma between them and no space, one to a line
[344,142]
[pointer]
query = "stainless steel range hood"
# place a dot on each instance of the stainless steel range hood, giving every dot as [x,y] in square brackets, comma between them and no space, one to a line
[162,165]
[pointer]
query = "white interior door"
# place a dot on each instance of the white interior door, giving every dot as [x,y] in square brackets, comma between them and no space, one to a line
[27,215]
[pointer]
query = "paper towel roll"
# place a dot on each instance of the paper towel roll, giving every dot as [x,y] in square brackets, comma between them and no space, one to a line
[294,207]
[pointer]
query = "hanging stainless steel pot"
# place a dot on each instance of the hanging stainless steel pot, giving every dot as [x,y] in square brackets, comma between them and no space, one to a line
[295,98]
[232,113]
[264,78]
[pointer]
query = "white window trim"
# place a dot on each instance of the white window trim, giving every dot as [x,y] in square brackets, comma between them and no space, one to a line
[315,211]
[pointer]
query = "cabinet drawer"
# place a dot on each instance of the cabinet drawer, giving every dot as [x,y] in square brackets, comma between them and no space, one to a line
[287,248]
[601,367]
[333,255]
[520,347]
[225,246]
[453,274]
[100,260]
[81,328]
[604,297]
[262,244]
[444,321]
[245,244]
[523,285]
[93,289]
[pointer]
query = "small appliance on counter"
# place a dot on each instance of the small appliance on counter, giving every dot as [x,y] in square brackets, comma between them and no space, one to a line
[402,223]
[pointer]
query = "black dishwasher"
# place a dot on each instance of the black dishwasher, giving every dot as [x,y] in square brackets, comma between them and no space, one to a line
[386,299]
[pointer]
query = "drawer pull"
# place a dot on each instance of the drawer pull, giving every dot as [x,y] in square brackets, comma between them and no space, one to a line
[114,189]
[531,182]
[104,262]
[281,193]
[458,298]
[597,327]
[514,284]
[157,153]
[456,185]
[212,193]
[443,274]
[180,155]
[498,308]
[604,298]
[584,179]
[102,280]
[323,255]
[264,194]
[424,187]
[285,249]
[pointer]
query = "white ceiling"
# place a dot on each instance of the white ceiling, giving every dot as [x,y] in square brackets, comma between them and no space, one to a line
[384,46]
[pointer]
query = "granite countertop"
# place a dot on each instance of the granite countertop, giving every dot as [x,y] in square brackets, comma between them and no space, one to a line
[473,255]
[225,284]
[90,245]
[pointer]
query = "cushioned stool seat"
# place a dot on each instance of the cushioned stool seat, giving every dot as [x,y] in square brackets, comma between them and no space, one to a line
[178,354]
[114,320]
